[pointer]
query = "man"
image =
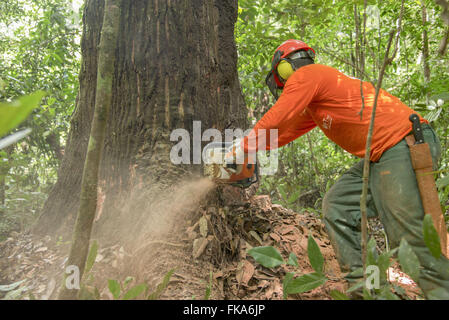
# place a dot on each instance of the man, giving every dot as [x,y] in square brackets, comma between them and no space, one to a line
[317,95]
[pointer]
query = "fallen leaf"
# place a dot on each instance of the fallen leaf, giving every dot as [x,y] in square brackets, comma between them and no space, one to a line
[203,226]
[275,237]
[286,229]
[290,237]
[247,272]
[256,236]
[199,245]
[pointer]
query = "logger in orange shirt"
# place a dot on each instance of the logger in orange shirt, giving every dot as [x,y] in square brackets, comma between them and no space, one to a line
[316,95]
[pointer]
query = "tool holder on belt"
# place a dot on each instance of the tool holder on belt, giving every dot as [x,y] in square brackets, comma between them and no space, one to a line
[423,165]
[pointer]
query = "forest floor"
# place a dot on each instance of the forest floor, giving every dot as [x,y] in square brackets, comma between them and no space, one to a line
[208,249]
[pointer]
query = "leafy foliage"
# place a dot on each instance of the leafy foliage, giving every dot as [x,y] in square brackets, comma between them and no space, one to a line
[39,51]
[409,261]
[13,113]
[431,237]
[269,257]
[315,257]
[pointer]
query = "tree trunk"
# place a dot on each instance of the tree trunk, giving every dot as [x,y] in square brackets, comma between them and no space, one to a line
[176,63]
[89,184]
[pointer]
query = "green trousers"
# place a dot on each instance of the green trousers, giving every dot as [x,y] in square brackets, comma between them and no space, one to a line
[394,197]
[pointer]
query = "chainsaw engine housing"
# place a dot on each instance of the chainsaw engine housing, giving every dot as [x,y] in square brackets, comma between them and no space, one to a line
[218,170]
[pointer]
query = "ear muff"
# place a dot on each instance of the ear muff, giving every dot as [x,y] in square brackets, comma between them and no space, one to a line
[285,70]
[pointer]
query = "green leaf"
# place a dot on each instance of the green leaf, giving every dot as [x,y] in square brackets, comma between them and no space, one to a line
[386,293]
[305,283]
[337,295]
[441,183]
[367,295]
[282,192]
[431,237]
[91,256]
[315,257]
[356,286]
[135,291]
[209,287]
[13,113]
[162,286]
[384,262]
[292,260]
[294,197]
[11,286]
[371,253]
[114,288]
[287,279]
[357,273]
[409,261]
[269,257]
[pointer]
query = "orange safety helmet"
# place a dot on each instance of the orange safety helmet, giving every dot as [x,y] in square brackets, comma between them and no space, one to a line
[293,52]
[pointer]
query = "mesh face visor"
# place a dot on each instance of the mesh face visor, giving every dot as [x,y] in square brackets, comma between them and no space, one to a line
[272,85]
[272,79]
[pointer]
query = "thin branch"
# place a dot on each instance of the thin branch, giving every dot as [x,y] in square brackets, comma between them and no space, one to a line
[363,65]
[335,56]
[366,167]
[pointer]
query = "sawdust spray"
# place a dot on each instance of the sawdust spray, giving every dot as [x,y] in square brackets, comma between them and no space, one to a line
[150,227]
[168,209]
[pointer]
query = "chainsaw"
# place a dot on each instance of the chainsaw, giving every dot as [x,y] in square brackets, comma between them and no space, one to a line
[222,167]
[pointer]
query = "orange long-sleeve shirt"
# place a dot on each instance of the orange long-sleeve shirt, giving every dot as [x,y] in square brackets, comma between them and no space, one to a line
[318,95]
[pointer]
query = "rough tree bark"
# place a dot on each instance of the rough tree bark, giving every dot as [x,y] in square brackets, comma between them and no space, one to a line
[176,63]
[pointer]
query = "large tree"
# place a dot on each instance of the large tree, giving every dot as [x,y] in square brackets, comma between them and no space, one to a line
[176,62]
